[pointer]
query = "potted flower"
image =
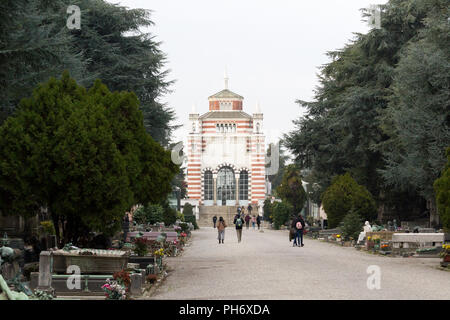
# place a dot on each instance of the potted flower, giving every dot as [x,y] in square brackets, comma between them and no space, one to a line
[114,290]
[140,247]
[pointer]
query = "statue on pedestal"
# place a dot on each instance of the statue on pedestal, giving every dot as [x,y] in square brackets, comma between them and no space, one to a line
[362,234]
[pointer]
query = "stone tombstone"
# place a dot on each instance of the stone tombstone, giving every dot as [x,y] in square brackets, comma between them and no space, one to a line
[9,270]
[136,283]
[34,280]
[45,270]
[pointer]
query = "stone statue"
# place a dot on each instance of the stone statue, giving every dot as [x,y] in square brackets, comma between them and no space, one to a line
[366,228]
[390,226]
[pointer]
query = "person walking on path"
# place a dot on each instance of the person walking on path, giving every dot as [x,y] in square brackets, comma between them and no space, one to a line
[299,225]
[253,222]
[258,221]
[214,221]
[247,220]
[238,222]
[221,225]
[249,209]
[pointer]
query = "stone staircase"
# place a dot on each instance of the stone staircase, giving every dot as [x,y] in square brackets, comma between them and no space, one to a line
[206,213]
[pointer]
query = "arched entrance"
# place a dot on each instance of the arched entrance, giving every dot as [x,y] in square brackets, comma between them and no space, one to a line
[226,186]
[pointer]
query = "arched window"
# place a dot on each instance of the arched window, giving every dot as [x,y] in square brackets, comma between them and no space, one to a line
[217,128]
[226,184]
[257,128]
[208,185]
[243,185]
[234,127]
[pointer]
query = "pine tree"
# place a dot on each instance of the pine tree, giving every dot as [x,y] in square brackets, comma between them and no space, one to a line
[82,155]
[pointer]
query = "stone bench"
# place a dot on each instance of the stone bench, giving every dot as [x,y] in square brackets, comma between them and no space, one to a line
[402,242]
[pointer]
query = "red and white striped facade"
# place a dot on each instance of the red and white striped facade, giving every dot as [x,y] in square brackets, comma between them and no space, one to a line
[227,139]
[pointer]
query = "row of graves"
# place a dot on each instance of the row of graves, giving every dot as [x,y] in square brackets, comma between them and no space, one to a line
[134,263]
[408,240]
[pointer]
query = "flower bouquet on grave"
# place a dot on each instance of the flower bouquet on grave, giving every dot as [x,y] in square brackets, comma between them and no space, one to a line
[369,243]
[114,290]
[445,253]
[123,278]
[140,247]
[377,242]
[183,237]
[159,254]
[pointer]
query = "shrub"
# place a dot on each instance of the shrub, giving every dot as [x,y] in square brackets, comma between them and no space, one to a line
[180,216]
[184,227]
[169,216]
[281,213]
[192,220]
[291,188]
[48,227]
[267,210]
[187,210]
[351,225]
[139,215]
[150,213]
[189,215]
[345,194]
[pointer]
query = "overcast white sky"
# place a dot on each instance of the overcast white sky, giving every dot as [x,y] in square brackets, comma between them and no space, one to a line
[271,49]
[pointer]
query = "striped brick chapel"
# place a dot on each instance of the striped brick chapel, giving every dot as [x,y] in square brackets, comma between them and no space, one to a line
[226,154]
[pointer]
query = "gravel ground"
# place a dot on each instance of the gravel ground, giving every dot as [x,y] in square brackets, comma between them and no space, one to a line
[266,266]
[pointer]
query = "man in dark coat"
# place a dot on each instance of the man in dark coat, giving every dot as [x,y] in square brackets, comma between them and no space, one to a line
[214,221]
[238,222]
[258,221]
[298,224]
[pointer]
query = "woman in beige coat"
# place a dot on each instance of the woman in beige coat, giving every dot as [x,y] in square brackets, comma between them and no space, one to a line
[221,225]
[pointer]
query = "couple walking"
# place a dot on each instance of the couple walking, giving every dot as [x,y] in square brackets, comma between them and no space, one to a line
[297,228]
[221,225]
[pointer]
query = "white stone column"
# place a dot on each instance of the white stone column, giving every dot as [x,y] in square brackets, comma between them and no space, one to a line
[237,189]
[215,188]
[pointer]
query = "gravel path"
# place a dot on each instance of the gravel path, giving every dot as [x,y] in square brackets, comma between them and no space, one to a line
[266,266]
